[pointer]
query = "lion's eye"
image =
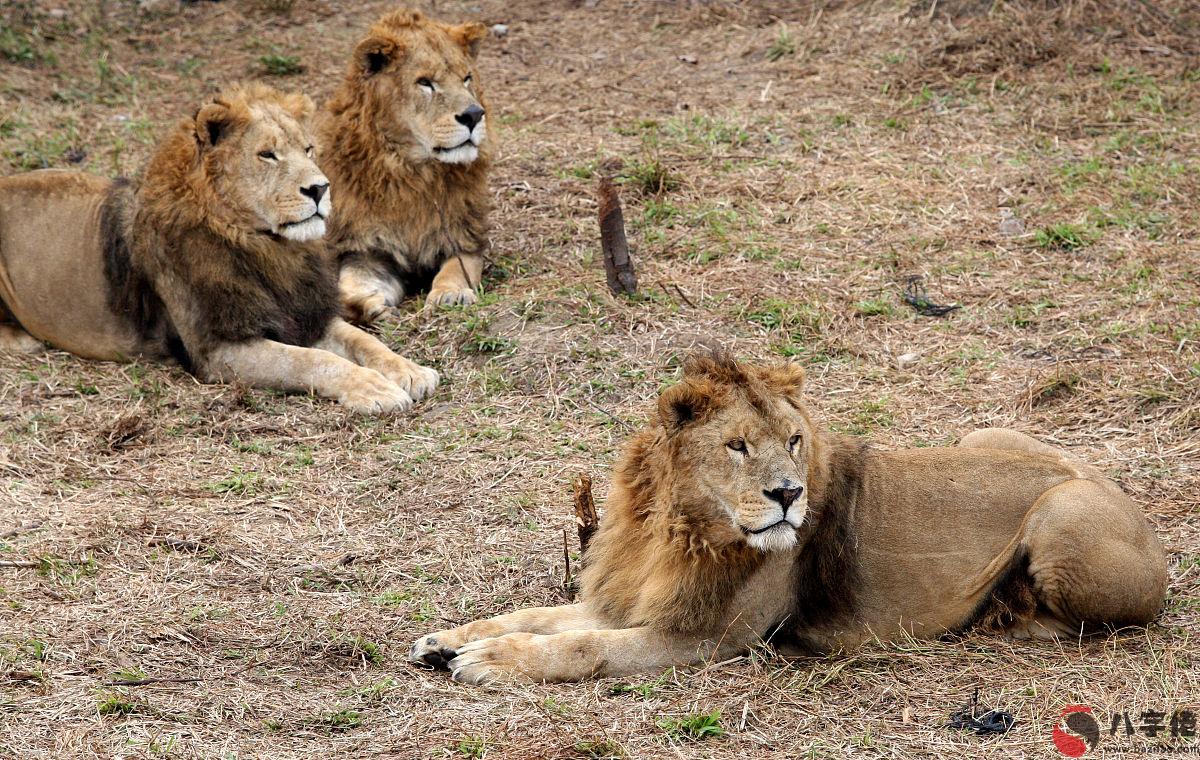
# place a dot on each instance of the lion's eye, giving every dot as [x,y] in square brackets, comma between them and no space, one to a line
[467,80]
[425,82]
[308,151]
[268,155]
[794,441]
[737,444]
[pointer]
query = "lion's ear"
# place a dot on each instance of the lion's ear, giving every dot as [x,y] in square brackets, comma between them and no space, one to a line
[785,378]
[683,404]
[469,36]
[374,54]
[213,122]
[299,105]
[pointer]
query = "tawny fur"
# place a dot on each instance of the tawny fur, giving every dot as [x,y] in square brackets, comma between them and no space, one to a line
[212,256]
[404,218]
[734,518]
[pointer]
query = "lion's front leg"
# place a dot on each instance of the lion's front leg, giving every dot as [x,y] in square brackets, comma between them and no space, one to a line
[456,282]
[578,655]
[270,364]
[439,648]
[363,348]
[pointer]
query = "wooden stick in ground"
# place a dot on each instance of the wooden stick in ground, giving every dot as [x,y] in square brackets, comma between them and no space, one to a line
[586,519]
[618,267]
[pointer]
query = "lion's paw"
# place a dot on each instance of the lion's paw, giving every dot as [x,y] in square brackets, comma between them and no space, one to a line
[450,296]
[371,393]
[504,658]
[435,650]
[364,310]
[418,381]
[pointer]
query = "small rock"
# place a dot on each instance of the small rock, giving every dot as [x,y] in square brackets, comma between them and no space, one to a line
[499,30]
[1011,225]
[907,360]
[688,59]
[57,13]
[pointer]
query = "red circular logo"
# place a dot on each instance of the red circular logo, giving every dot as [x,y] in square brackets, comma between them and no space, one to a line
[1080,734]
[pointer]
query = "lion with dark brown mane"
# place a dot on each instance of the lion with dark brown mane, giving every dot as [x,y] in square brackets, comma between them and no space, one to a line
[213,256]
[735,519]
[407,145]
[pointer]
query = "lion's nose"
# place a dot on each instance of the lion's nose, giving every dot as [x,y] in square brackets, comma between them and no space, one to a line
[470,117]
[316,192]
[785,496]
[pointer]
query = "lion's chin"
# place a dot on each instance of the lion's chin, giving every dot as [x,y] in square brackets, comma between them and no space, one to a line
[312,228]
[779,538]
[463,154]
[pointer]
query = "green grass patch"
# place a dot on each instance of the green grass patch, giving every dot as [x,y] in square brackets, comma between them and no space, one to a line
[238,482]
[112,703]
[281,65]
[875,307]
[783,45]
[338,720]
[600,749]
[650,176]
[1063,237]
[472,746]
[693,727]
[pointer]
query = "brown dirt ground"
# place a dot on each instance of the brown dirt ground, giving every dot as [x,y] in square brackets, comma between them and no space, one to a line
[285,554]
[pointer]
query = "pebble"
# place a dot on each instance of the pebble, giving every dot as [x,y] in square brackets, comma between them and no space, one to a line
[1011,225]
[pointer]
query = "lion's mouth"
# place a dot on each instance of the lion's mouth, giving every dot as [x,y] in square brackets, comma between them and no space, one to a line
[758,531]
[306,220]
[467,143]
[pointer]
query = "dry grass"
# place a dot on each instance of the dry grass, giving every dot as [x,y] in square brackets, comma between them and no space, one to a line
[285,554]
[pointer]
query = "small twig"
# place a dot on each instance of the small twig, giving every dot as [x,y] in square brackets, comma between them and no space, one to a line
[178,544]
[18,563]
[683,295]
[23,528]
[466,276]
[145,681]
[567,562]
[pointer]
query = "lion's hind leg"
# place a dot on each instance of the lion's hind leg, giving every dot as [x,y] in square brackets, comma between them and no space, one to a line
[1093,560]
[1004,438]
[14,340]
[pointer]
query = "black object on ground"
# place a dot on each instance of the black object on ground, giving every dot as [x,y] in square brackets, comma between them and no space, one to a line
[989,722]
[914,296]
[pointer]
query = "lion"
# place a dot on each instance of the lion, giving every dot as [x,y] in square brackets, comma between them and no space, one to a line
[406,143]
[213,257]
[735,519]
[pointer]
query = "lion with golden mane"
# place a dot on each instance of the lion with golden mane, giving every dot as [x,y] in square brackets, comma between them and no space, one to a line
[213,256]
[406,143]
[735,519]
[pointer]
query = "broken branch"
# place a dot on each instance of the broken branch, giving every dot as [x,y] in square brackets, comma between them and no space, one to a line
[586,519]
[618,268]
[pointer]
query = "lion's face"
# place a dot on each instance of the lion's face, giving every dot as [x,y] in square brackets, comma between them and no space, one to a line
[741,450]
[260,161]
[420,76]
